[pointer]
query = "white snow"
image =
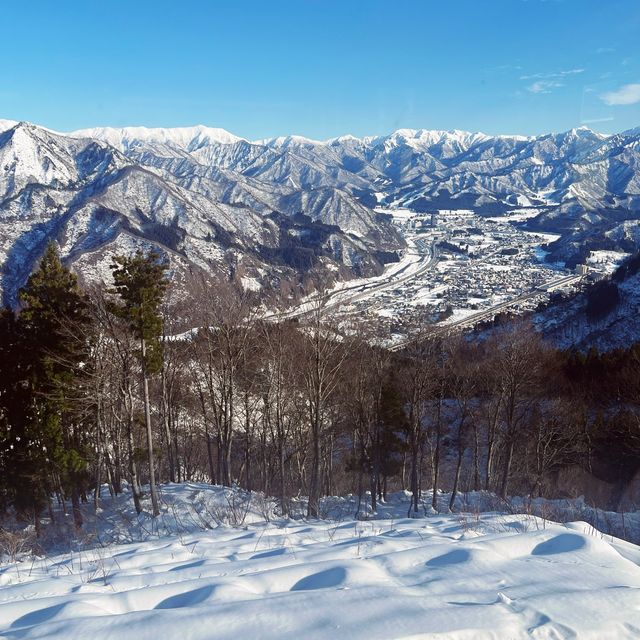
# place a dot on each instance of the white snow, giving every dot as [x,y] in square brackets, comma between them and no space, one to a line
[286,141]
[517,215]
[7,124]
[190,576]
[424,138]
[609,258]
[183,137]
[545,237]
[250,284]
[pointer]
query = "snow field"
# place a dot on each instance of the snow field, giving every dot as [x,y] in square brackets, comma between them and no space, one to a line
[455,576]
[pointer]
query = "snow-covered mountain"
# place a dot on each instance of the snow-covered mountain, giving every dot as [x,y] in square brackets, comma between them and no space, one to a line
[190,193]
[287,206]
[188,138]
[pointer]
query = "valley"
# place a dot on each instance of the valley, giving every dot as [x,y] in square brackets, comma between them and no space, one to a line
[443,226]
[459,269]
[320,320]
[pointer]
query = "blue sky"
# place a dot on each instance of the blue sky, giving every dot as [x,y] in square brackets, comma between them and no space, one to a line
[323,68]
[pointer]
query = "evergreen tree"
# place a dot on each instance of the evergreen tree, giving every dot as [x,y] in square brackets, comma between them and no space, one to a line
[392,427]
[42,446]
[23,460]
[54,321]
[140,282]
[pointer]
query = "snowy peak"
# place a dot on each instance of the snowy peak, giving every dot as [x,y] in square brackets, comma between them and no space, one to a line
[7,124]
[581,134]
[346,138]
[33,155]
[188,138]
[193,138]
[29,154]
[429,137]
[283,142]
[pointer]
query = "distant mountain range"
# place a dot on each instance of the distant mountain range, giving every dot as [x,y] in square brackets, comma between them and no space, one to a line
[290,208]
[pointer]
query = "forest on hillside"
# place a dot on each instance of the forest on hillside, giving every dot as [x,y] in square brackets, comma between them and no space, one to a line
[121,386]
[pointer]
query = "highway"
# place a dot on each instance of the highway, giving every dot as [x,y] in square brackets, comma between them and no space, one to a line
[394,281]
[362,290]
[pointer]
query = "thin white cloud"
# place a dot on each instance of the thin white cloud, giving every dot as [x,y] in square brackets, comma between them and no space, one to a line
[544,86]
[505,67]
[553,75]
[626,94]
[605,50]
[596,120]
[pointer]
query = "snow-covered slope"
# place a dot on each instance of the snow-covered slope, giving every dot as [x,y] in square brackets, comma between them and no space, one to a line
[456,576]
[566,323]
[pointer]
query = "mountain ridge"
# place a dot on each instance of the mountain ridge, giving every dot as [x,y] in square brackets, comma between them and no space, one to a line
[227,137]
[294,209]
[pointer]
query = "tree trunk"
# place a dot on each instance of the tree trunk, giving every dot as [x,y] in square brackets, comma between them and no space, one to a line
[133,467]
[166,427]
[147,416]
[247,452]
[506,470]
[212,471]
[374,491]
[360,458]
[116,470]
[75,506]
[415,489]
[283,497]
[476,458]
[456,480]
[313,506]
[36,522]
[461,449]
[436,460]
